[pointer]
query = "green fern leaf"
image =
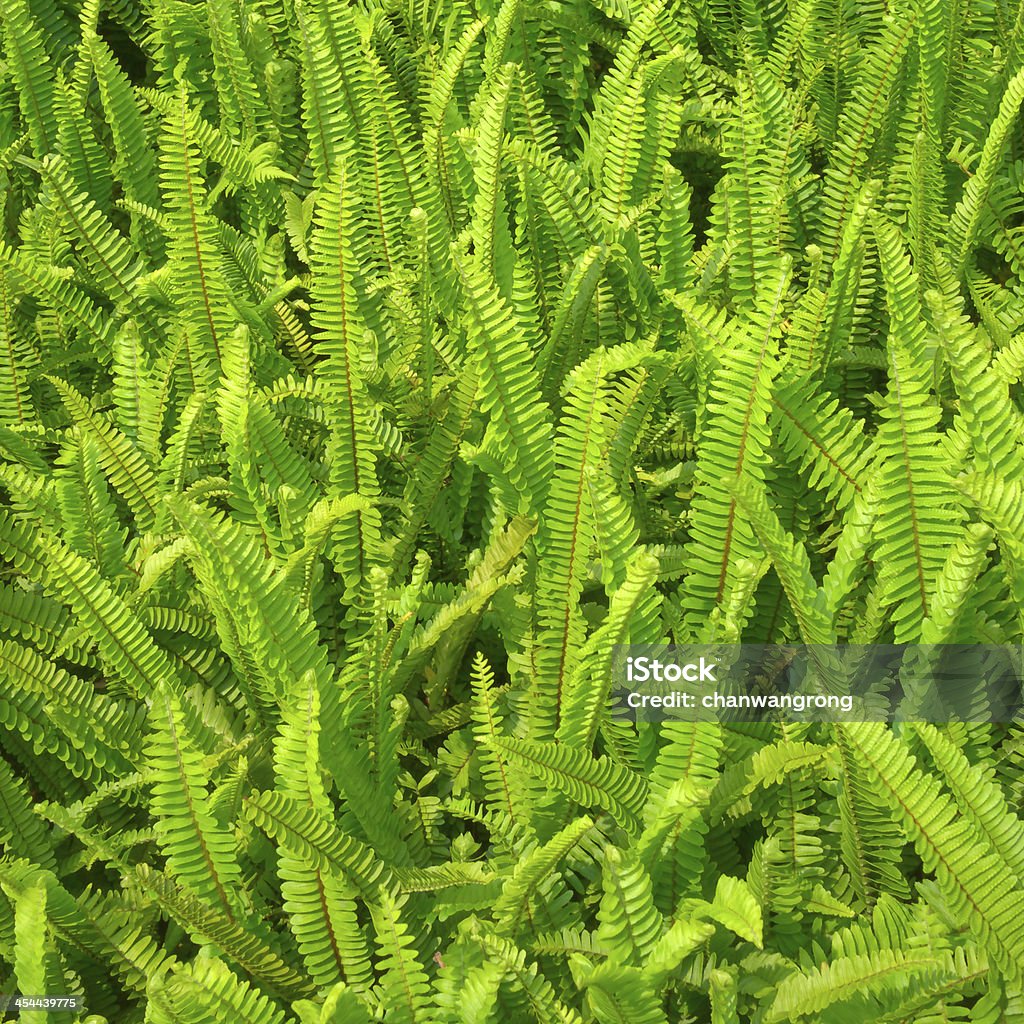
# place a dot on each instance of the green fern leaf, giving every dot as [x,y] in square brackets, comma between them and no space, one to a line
[343,330]
[847,977]
[199,851]
[207,990]
[733,444]
[590,781]
[916,516]
[629,924]
[971,873]
[317,842]
[37,965]
[404,983]
[33,74]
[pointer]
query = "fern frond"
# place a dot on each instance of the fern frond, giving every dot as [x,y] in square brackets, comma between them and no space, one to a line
[32,71]
[241,102]
[985,407]
[870,843]
[733,443]
[503,788]
[628,922]
[37,964]
[317,842]
[199,851]
[109,257]
[128,468]
[248,604]
[53,289]
[19,360]
[791,563]
[542,1002]
[200,291]
[320,908]
[589,781]
[404,982]
[46,703]
[127,647]
[207,990]
[862,119]
[632,617]
[522,885]
[492,241]
[242,941]
[978,796]
[916,510]
[823,437]
[966,218]
[622,995]
[107,934]
[965,561]
[342,326]
[137,161]
[724,997]
[970,871]
[847,977]
[1001,503]
[509,391]
[21,831]
[567,540]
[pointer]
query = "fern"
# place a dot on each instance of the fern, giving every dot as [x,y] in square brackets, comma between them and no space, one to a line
[371,376]
[970,871]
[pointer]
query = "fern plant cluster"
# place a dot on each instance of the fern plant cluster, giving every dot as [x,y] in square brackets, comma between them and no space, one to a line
[369,371]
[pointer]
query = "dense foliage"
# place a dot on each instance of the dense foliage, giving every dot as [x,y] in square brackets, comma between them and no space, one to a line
[367,372]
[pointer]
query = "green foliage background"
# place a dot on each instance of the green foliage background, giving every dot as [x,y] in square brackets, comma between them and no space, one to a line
[368,371]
